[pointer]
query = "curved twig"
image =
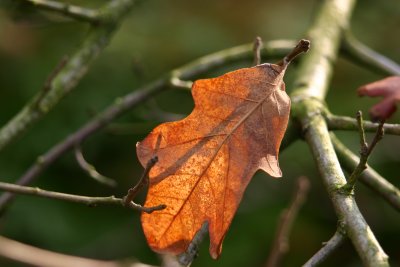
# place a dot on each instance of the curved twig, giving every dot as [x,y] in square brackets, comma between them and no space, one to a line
[366,57]
[91,170]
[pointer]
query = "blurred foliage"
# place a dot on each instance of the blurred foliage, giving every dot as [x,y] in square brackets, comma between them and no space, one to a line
[156,37]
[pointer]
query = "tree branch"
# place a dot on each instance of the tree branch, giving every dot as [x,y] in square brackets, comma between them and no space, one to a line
[365,151]
[280,244]
[26,254]
[369,177]
[311,86]
[71,73]
[350,124]
[366,57]
[328,248]
[121,105]
[144,180]
[90,201]
[91,170]
[75,12]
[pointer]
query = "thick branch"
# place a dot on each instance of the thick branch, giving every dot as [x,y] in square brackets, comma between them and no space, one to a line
[329,247]
[350,124]
[369,177]
[33,256]
[366,57]
[311,85]
[71,73]
[75,12]
[90,201]
[122,105]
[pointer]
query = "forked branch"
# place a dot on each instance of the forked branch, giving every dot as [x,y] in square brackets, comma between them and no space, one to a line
[365,151]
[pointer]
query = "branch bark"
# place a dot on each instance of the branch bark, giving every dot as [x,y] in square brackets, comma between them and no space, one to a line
[311,85]
[121,105]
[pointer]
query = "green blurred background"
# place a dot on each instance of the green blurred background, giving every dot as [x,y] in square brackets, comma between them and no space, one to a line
[156,37]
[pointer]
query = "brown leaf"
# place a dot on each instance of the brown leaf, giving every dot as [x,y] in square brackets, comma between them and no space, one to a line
[389,89]
[207,159]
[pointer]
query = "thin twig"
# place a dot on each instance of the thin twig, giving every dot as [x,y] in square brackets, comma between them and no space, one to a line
[143,181]
[257,45]
[121,105]
[365,152]
[302,47]
[69,75]
[280,245]
[366,57]
[90,169]
[75,12]
[349,161]
[180,84]
[90,201]
[329,247]
[350,124]
[186,258]
[47,84]
[33,256]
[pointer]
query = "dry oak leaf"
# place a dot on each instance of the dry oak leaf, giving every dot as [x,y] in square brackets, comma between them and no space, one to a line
[389,89]
[206,160]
